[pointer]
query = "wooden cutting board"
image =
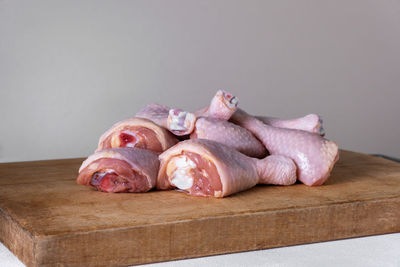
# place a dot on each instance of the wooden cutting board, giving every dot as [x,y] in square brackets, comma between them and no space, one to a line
[46,219]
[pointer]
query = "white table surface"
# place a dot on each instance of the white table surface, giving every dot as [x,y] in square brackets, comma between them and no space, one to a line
[374,251]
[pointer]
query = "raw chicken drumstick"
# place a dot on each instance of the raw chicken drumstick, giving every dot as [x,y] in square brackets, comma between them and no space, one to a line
[314,155]
[229,134]
[208,168]
[116,170]
[224,104]
[177,121]
[139,133]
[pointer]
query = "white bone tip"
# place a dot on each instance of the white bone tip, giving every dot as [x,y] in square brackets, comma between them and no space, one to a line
[181,176]
[182,182]
[180,120]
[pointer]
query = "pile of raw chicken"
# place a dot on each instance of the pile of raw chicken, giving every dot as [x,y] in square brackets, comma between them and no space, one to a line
[216,151]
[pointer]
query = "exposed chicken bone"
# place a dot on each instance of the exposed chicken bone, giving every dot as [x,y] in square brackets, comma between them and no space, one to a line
[180,122]
[223,105]
[179,169]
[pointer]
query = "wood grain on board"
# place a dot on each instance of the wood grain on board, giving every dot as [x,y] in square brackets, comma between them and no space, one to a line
[46,219]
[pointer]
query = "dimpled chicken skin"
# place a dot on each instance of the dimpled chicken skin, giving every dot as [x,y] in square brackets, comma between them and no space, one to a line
[229,134]
[314,155]
[311,123]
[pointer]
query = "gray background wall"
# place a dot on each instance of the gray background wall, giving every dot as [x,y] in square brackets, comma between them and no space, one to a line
[70,69]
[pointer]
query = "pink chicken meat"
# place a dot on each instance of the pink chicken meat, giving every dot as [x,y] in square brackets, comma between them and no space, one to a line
[117,170]
[314,155]
[139,133]
[207,168]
